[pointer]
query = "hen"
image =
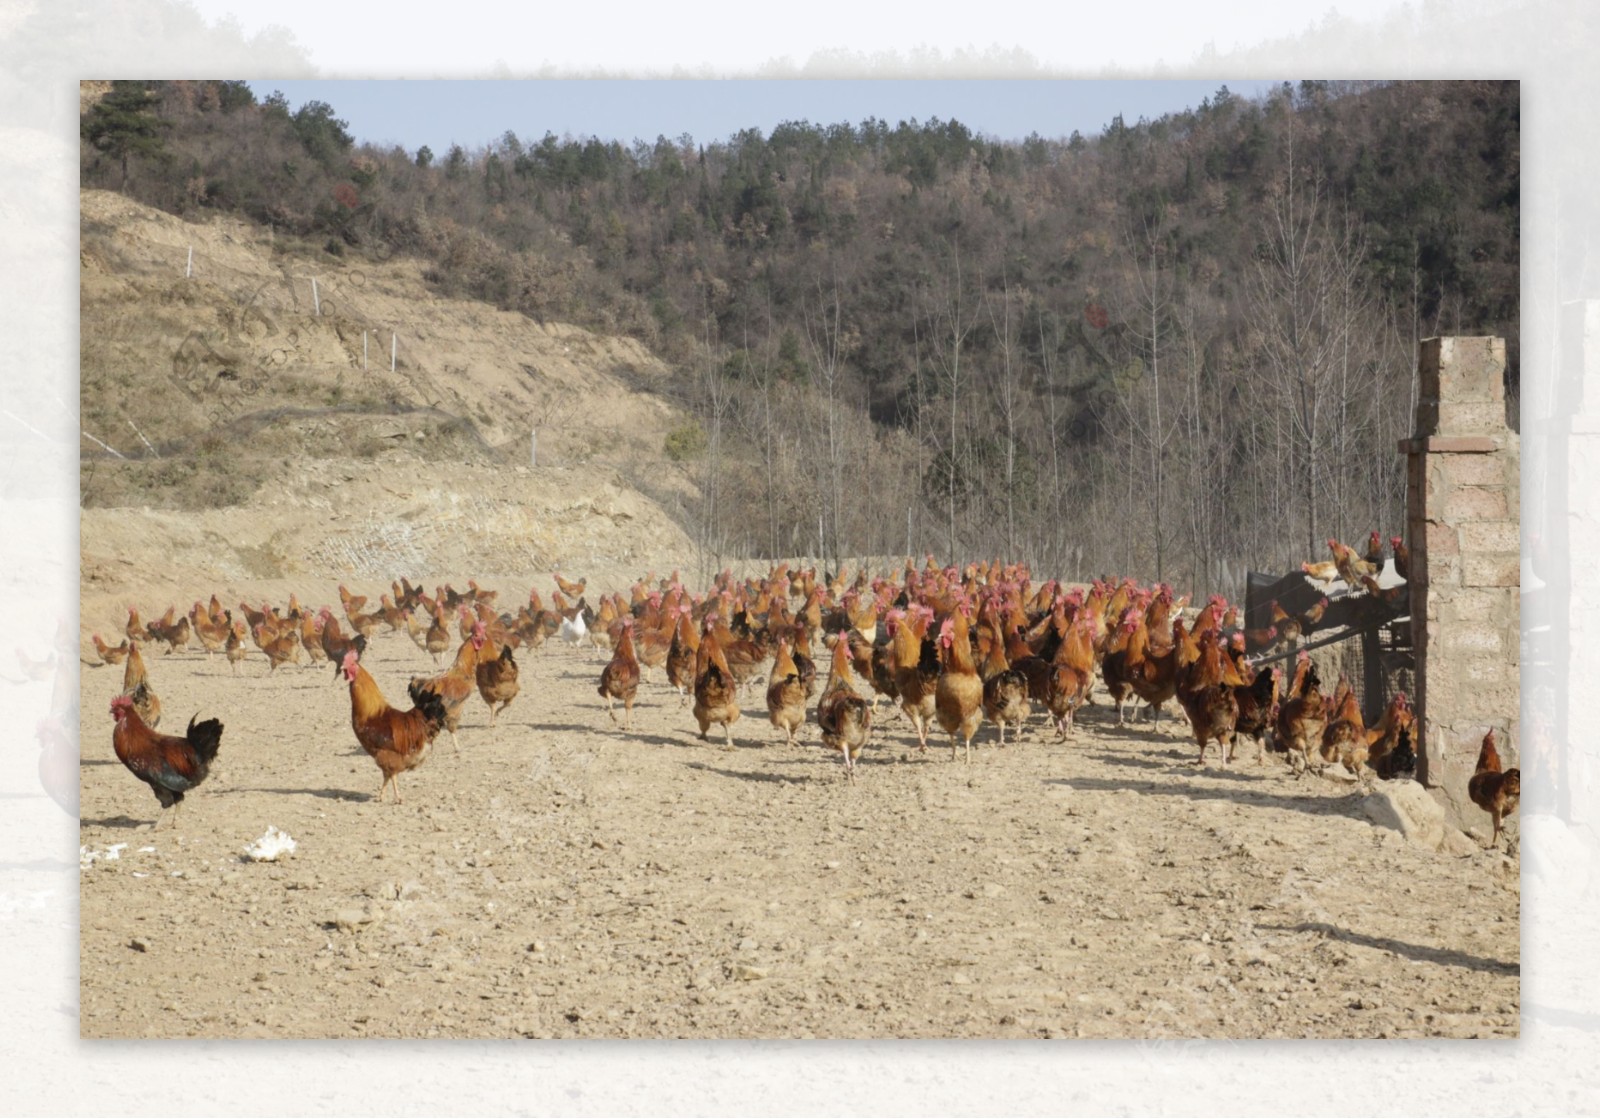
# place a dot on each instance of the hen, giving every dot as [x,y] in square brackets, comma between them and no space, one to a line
[1005,693]
[786,693]
[496,675]
[170,765]
[681,655]
[454,686]
[1495,792]
[1302,717]
[396,740]
[844,718]
[1344,739]
[958,695]
[1206,692]
[716,695]
[916,670]
[108,653]
[136,686]
[619,679]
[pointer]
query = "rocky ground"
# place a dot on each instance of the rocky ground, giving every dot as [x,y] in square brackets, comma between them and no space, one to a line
[561,878]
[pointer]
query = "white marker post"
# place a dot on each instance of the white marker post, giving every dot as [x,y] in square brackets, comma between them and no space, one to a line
[188,268]
[142,439]
[316,304]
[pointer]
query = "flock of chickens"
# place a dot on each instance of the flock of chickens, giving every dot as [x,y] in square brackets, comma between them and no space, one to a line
[946,646]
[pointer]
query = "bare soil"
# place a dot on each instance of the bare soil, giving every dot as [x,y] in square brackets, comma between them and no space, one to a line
[559,877]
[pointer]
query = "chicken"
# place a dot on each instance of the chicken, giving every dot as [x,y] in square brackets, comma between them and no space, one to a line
[454,686]
[283,648]
[1402,557]
[958,694]
[170,765]
[310,629]
[1287,625]
[619,679]
[1389,751]
[574,624]
[110,654]
[1005,692]
[1350,566]
[681,654]
[496,674]
[1206,692]
[437,639]
[786,693]
[1153,674]
[335,644]
[1114,664]
[213,636]
[1373,556]
[136,686]
[1495,792]
[916,670]
[844,718]
[1390,598]
[572,590]
[1302,717]
[175,633]
[1344,738]
[1257,697]
[352,603]
[1312,615]
[716,695]
[235,649]
[1071,675]
[1325,572]
[395,617]
[135,630]
[396,740]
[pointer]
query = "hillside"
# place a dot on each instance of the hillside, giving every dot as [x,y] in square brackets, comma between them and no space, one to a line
[276,456]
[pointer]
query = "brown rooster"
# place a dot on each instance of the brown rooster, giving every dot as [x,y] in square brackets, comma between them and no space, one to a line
[1495,792]
[396,740]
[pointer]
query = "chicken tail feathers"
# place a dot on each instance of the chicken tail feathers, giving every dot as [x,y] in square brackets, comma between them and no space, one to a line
[205,738]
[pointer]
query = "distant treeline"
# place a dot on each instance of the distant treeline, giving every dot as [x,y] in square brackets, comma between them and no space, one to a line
[1176,349]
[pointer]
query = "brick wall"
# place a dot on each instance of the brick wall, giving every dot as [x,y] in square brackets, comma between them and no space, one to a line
[1463,529]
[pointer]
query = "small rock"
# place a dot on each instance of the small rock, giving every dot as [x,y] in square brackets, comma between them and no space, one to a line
[961,979]
[748,972]
[993,889]
[747,944]
[139,944]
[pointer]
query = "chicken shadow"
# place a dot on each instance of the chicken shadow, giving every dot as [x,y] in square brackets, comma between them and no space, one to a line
[1187,765]
[751,775]
[605,730]
[325,794]
[126,823]
[1311,805]
[1422,953]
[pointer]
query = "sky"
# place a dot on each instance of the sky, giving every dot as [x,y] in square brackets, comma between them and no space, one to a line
[475,113]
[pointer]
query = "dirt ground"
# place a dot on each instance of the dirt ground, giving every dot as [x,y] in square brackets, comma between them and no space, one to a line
[561,878]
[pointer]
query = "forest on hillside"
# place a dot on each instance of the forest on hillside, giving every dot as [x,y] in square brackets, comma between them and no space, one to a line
[1176,350]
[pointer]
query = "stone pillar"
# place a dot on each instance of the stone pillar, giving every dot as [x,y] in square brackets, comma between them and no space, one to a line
[1462,522]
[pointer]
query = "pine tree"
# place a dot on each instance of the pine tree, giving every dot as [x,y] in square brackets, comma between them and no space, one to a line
[124,123]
